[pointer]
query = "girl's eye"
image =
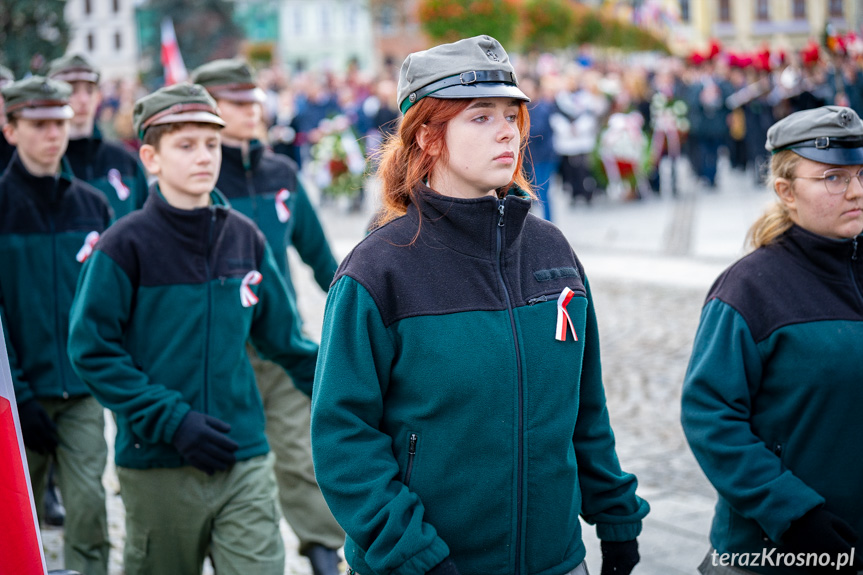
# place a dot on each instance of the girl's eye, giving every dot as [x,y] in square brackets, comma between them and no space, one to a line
[832,178]
[481,119]
[512,118]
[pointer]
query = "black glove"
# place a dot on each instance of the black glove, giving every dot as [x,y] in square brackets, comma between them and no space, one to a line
[619,557]
[201,440]
[445,567]
[820,531]
[39,431]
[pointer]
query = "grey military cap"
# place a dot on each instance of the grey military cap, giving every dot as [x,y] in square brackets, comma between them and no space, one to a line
[475,67]
[6,76]
[829,134]
[229,80]
[38,98]
[73,68]
[172,104]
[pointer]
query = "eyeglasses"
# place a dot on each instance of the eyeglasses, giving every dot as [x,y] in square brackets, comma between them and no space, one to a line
[836,181]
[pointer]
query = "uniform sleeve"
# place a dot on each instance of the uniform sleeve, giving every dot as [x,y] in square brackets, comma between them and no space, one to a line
[354,461]
[100,313]
[19,382]
[307,236]
[722,378]
[608,494]
[275,330]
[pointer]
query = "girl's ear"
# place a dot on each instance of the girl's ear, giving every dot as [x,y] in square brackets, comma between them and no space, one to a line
[785,193]
[423,141]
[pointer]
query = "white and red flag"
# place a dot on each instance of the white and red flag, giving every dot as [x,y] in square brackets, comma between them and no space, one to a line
[172,60]
[20,540]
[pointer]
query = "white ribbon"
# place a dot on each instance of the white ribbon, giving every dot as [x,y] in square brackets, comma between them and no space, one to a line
[282,210]
[247,296]
[87,248]
[116,180]
[563,319]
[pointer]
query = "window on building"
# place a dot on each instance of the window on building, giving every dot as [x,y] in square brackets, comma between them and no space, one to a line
[325,21]
[298,21]
[118,41]
[115,4]
[88,7]
[798,9]
[837,9]
[91,42]
[684,10]
[352,17]
[725,10]
[762,10]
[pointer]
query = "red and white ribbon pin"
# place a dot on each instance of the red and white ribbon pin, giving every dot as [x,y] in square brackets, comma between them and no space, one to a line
[87,248]
[282,210]
[247,296]
[116,180]
[563,319]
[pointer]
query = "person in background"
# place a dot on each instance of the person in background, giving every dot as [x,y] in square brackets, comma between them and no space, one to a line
[105,165]
[6,149]
[541,157]
[265,187]
[49,223]
[770,393]
[456,426]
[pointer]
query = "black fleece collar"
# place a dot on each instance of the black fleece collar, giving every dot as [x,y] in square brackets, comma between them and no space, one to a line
[47,190]
[826,257]
[196,228]
[233,156]
[470,226]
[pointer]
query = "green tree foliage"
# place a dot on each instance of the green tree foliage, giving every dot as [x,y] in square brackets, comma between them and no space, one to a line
[205,31]
[547,24]
[450,20]
[31,32]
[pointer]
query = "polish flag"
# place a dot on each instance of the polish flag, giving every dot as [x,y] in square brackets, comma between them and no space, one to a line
[20,540]
[172,60]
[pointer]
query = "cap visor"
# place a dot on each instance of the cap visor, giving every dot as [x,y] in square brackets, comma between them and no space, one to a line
[47,113]
[77,76]
[481,90]
[198,117]
[835,156]
[253,95]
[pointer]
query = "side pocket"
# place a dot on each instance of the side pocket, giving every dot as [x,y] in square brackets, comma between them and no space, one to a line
[412,451]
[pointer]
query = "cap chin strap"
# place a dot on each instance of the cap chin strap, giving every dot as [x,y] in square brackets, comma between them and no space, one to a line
[463,79]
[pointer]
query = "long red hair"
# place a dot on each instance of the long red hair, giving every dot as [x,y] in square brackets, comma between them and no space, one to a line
[404,164]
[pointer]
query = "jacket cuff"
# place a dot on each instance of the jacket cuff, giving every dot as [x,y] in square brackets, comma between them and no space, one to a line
[618,531]
[180,412]
[425,560]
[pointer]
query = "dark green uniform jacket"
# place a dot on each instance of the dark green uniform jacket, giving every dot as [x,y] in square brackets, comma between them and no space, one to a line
[110,168]
[447,419]
[265,187]
[772,396]
[6,152]
[47,228]
[159,324]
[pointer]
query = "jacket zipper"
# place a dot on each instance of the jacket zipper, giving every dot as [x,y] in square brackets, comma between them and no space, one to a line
[520,481]
[209,310]
[851,267]
[55,273]
[246,154]
[536,300]
[412,451]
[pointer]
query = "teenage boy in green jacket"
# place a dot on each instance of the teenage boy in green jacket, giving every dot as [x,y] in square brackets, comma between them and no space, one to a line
[49,222]
[105,165]
[265,187]
[158,331]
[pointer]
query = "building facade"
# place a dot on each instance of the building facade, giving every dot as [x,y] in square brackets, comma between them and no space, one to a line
[105,32]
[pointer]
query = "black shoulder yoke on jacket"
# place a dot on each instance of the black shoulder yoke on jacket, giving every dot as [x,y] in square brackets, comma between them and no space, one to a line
[453,265]
[44,204]
[269,172]
[163,245]
[802,277]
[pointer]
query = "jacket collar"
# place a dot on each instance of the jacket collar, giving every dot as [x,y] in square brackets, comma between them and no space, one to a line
[233,156]
[470,226]
[824,256]
[194,228]
[48,190]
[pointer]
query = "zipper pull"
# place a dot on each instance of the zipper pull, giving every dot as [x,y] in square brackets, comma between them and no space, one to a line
[854,252]
[500,211]
[412,446]
[534,300]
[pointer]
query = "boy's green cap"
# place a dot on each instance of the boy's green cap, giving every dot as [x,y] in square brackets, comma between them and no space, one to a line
[38,98]
[229,79]
[475,67]
[829,134]
[6,76]
[73,68]
[177,103]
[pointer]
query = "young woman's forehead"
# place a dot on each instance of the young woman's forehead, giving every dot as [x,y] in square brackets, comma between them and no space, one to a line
[494,102]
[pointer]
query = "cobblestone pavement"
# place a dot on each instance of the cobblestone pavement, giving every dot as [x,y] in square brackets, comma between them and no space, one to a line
[648,283]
